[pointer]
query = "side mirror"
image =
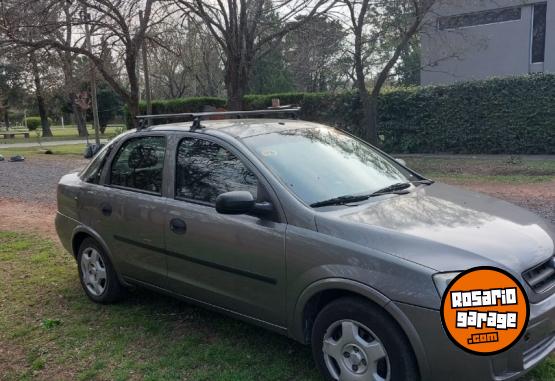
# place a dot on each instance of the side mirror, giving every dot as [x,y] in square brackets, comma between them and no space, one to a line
[238,202]
[401,161]
[241,202]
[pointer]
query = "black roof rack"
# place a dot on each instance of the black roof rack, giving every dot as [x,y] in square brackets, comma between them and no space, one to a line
[197,116]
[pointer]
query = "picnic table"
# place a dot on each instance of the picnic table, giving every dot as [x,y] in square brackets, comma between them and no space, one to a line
[12,134]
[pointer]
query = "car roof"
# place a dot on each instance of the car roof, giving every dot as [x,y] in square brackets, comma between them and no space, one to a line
[240,128]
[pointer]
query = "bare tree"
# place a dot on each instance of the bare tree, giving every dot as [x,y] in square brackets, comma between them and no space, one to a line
[243,29]
[185,60]
[381,32]
[117,31]
[313,52]
[67,58]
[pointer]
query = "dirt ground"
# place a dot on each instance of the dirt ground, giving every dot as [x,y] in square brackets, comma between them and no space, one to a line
[537,197]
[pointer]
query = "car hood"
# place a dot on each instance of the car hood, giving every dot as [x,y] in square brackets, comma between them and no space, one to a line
[446,228]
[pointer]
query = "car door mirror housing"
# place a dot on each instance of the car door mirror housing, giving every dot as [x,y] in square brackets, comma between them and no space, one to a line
[241,202]
[237,202]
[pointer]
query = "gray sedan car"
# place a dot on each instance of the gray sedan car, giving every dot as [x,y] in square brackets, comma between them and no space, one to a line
[307,231]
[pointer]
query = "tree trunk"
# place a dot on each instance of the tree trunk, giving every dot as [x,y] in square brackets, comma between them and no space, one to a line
[132,99]
[133,109]
[79,118]
[40,99]
[236,82]
[6,119]
[368,126]
[372,120]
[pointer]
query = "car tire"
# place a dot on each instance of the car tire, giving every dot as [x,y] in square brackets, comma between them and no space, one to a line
[97,274]
[354,339]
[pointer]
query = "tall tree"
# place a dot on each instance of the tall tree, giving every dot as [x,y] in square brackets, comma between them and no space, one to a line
[116,24]
[381,32]
[67,58]
[11,88]
[39,94]
[242,30]
[313,52]
[185,60]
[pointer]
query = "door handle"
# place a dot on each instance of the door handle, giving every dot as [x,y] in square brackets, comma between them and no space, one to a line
[178,226]
[106,209]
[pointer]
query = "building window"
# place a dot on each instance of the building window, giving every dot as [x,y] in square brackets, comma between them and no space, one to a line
[538,33]
[480,18]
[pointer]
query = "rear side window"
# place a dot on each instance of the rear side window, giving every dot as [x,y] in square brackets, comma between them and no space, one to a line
[205,170]
[139,164]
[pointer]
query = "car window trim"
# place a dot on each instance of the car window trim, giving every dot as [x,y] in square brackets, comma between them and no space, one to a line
[108,179]
[135,190]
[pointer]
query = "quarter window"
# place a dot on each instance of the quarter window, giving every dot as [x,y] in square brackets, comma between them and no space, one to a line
[205,170]
[139,164]
[92,173]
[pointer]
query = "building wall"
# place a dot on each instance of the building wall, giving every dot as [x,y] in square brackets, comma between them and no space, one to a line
[483,51]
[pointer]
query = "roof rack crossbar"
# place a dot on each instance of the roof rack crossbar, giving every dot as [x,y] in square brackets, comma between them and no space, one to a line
[197,116]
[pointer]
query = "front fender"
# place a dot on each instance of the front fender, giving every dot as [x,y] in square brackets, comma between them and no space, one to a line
[296,323]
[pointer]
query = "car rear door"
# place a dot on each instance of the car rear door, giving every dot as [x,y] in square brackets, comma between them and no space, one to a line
[232,261]
[132,211]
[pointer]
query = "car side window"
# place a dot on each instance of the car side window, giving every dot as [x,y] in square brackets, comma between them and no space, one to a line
[139,164]
[205,170]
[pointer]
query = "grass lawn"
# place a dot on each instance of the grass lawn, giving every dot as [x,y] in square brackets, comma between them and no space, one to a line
[67,133]
[494,169]
[67,149]
[52,331]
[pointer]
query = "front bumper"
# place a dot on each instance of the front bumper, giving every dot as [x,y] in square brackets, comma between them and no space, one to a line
[446,361]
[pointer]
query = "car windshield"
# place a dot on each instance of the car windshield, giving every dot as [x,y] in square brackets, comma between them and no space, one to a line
[320,164]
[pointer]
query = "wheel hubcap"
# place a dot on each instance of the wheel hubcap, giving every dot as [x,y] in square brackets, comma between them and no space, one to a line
[354,352]
[93,271]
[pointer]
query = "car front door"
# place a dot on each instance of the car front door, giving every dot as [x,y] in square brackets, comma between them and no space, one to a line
[133,210]
[236,262]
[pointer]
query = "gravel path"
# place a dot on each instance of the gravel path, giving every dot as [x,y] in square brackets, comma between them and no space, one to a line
[35,179]
[47,143]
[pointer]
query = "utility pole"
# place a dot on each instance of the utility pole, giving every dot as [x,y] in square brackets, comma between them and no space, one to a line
[86,17]
[147,79]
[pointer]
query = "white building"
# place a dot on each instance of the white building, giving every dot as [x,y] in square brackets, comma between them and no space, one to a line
[478,39]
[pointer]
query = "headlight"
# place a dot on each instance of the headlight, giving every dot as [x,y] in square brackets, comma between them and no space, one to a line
[442,281]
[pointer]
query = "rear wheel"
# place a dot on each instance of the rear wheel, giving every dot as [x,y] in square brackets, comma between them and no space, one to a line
[98,277]
[355,340]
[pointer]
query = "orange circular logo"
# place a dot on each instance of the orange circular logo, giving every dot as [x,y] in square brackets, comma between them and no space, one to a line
[485,310]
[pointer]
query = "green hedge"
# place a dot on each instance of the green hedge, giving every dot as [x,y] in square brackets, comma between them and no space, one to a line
[510,115]
[179,105]
[33,122]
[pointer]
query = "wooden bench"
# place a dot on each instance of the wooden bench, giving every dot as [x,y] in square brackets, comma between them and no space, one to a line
[12,134]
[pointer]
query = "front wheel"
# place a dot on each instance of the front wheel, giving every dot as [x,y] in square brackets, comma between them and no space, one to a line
[355,340]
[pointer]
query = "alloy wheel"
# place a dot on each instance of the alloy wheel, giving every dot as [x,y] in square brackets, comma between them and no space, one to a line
[353,352]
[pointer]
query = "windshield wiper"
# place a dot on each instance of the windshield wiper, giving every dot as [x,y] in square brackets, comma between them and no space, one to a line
[399,188]
[341,200]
